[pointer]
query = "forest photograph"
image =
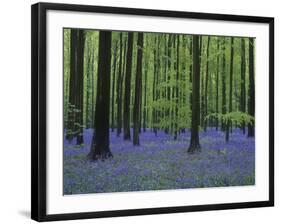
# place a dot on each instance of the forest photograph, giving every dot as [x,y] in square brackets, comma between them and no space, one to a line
[157,111]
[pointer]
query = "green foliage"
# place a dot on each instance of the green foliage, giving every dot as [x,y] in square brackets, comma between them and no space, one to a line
[184,117]
[182,120]
[168,71]
[76,125]
[234,117]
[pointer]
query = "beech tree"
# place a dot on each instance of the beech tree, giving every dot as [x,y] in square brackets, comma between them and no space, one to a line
[194,140]
[100,140]
[251,101]
[138,83]
[75,110]
[127,98]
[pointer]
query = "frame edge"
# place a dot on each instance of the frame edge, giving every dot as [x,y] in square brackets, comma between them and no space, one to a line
[38,112]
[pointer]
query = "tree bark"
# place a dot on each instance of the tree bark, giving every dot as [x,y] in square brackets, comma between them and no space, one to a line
[71,132]
[145,97]
[138,83]
[168,96]
[243,82]
[251,101]
[80,85]
[127,96]
[93,95]
[206,85]
[100,140]
[223,106]
[230,88]
[201,51]
[194,140]
[75,110]
[155,81]
[217,83]
[177,87]
[113,87]
[88,85]
[190,73]
[119,89]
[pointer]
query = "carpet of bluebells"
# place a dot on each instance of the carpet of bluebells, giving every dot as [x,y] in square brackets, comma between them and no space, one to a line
[160,162]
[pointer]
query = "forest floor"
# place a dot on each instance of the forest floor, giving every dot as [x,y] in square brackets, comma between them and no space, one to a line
[161,163]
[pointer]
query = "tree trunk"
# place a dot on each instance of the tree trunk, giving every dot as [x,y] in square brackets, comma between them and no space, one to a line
[119,90]
[190,73]
[194,140]
[145,97]
[138,93]
[230,88]
[113,87]
[157,90]
[251,101]
[217,83]
[71,132]
[206,85]
[201,51]
[66,76]
[177,88]
[223,106]
[80,85]
[75,110]
[93,95]
[243,82]
[88,85]
[168,93]
[127,96]
[100,141]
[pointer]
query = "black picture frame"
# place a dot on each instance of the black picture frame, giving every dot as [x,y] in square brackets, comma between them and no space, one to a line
[39,122]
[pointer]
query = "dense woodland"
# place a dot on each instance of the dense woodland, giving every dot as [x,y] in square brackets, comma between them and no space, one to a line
[129,83]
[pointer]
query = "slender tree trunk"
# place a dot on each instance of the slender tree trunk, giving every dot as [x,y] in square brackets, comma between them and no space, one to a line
[75,116]
[243,82]
[100,141]
[206,85]
[145,97]
[173,78]
[201,52]
[177,88]
[66,76]
[119,89]
[217,83]
[223,106]
[138,93]
[154,86]
[194,140]
[88,85]
[190,72]
[93,95]
[165,78]
[230,87]
[157,90]
[113,87]
[127,96]
[184,101]
[71,132]
[140,113]
[80,86]
[168,96]
[251,101]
